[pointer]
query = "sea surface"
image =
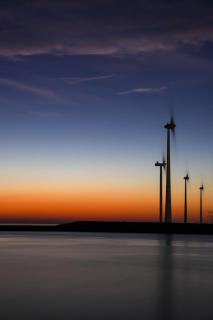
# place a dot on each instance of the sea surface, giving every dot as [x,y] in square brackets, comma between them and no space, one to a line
[105,276]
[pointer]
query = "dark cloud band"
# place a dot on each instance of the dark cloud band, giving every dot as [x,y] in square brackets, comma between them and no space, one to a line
[103,27]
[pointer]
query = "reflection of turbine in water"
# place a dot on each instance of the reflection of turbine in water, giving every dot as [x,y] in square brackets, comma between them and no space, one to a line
[170,126]
[201,203]
[186,178]
[165,290]
[161,165]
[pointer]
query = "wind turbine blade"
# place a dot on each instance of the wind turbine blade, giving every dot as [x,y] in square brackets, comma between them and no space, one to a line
[174,133]
[188,177]
[172,121]
[173,125]
[164,161]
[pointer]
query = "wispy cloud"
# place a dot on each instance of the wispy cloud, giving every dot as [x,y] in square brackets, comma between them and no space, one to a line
[27,88]
[47,115]
[76,80]
[144,90]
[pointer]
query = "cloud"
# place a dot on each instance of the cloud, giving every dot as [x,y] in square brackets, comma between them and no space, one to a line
[106,27]
[47,115]
[76,80]
[28,88]
[144,90]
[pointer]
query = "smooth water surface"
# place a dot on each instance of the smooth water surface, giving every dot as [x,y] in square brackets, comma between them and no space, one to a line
[103,276]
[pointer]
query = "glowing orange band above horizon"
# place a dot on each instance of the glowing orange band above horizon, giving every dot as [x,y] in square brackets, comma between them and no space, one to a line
[58,205]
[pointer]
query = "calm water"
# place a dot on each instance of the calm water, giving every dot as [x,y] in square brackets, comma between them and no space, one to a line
[92,276]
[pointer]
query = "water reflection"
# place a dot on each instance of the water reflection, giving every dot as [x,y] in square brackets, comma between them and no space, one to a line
[93,276]
[165,274]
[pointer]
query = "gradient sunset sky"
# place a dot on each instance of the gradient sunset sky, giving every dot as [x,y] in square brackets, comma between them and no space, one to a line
[86,88]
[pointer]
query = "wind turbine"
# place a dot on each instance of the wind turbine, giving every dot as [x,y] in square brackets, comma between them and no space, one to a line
[161,165]
[170,126]
[201,203]
[186,178]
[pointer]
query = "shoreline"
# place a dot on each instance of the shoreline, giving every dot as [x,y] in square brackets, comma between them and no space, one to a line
[114,227]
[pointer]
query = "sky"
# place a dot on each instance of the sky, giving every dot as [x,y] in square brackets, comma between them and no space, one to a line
[86,88]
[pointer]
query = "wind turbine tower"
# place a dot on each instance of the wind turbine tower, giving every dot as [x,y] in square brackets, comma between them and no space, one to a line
[170,127]
[186,178]
[201,204]
[161,165]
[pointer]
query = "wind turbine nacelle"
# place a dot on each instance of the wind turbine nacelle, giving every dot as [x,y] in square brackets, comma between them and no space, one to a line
[170,126]
[186,177]
[160,164]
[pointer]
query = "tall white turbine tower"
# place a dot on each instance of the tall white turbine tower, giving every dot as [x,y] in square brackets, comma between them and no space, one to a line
[170,127]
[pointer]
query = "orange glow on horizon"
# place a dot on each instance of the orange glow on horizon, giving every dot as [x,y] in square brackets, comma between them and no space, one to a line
[59,205]
[56,206]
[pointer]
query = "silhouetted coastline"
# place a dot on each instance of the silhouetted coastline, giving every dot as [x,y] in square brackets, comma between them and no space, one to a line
[115,227]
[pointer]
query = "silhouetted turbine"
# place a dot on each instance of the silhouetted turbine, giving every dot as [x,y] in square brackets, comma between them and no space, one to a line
[170,126]
[186,178]
[161,165]
[201,204]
